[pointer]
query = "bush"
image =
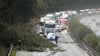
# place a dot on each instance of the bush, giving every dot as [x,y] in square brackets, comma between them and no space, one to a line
[8,34]
[3,50]
[23,37]
[82,32]
[98,45]
[91,39]
[31,41]
[78,29]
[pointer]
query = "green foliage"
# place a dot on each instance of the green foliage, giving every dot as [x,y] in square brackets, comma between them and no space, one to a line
[40,4]
[98,45]
[31,41]
[92,39]
[82,32]
[23,38]
[78,29]
[9,35]
[24,8]
[3,50]
[13,52]
[3,26]
[15,11]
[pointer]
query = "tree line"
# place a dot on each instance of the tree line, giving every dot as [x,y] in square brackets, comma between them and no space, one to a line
[13,11]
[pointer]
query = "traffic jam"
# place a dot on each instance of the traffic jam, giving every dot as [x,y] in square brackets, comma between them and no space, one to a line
[53,23]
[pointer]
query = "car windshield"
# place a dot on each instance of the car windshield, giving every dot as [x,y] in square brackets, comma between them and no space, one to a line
[50,26]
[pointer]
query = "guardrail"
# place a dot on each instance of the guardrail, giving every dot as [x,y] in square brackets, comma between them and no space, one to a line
[10,49]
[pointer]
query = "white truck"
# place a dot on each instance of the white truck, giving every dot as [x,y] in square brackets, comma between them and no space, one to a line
[50,16]
[49,26]
[44,21]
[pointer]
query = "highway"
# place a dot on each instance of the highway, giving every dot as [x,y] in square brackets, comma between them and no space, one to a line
[71,48]
[68,44]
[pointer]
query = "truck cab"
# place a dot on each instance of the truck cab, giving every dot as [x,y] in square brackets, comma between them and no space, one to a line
[49,26]
[50,16]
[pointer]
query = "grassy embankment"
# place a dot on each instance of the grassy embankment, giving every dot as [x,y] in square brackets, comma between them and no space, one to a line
[84,33]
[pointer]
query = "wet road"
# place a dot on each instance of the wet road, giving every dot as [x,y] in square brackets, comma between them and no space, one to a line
[71,48]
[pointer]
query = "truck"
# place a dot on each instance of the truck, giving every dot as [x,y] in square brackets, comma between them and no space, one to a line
[50,16]
[49,26]
[63,23]
[44,25]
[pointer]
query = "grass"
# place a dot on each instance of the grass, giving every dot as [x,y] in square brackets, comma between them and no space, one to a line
[13,53]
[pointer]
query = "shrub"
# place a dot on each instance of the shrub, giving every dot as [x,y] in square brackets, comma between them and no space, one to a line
[82,32]
[3,50]
[79,30]
[98,45]
[9,35]
[91,39]
[31,41]
[23,37]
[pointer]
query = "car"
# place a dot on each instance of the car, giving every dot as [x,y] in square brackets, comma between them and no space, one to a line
[82,10]
[51,36]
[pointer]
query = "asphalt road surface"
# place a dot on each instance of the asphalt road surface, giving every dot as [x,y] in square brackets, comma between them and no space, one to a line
[71,48]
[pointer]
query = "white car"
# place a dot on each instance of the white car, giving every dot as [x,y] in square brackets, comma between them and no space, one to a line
[87,10]
[82,10]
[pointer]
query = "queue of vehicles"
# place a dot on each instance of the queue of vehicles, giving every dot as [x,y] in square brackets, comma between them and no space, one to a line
[90,11]
[53,23]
